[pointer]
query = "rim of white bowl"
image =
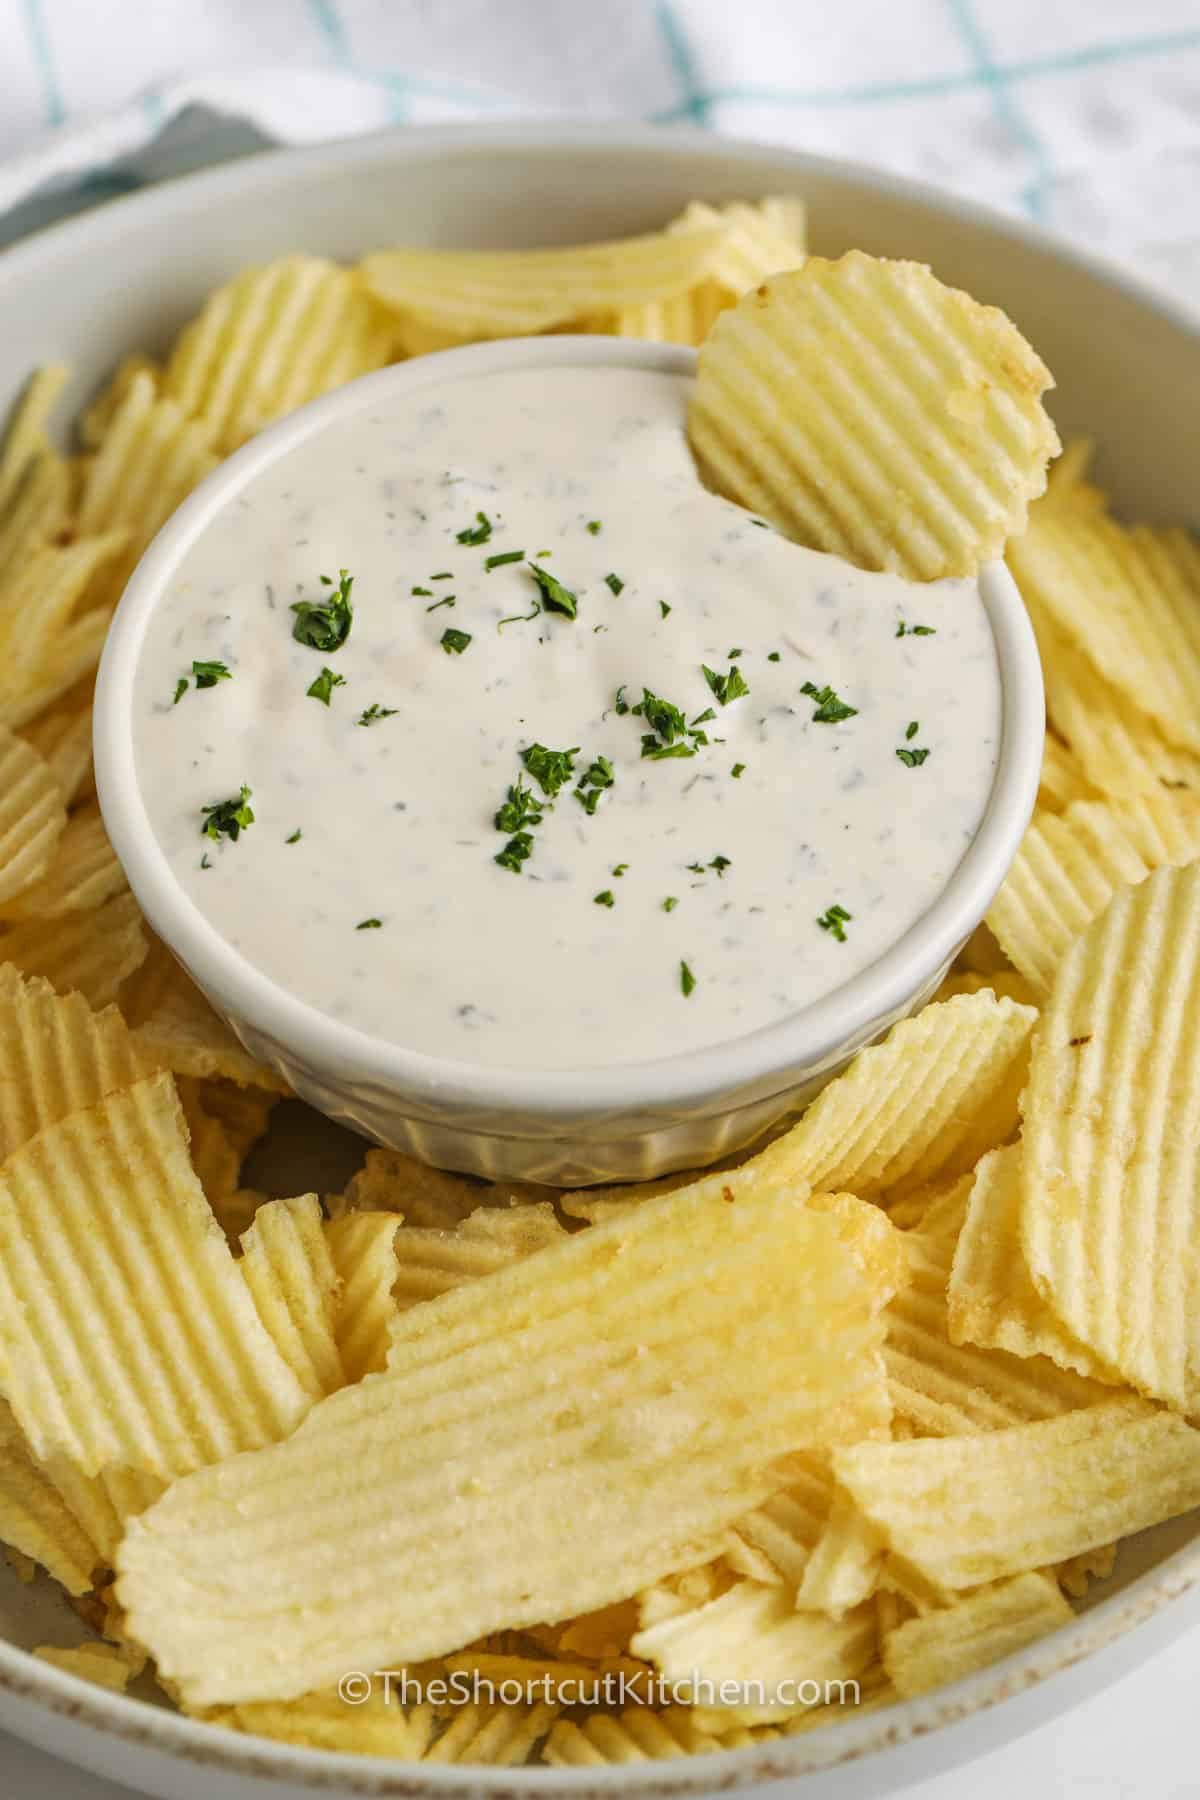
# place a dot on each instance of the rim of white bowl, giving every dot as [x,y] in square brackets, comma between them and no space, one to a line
[806,1039]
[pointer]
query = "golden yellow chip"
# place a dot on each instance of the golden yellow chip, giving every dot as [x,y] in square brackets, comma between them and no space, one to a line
[39,602]
[34,513]
[943,1388]
[846,1562]
[925,1103]
[1110,1212]
[1129,598]
[166,1367]
[83,872]
[867,410]
[978,1630]
[272,339]
[664,1318]
[491,1238]
[753,1657]
[103,1664]
[966,1510]
[86,953]
[362,1246]
[1063,779]
[32,815]
[103,1503]
[1070,864]
[773,1543]
[379,1726]
[286,1264]
[95,420]
[25,437]
[179,1029]
[72,654]
[473,294]
[991,1299]
[1006,984]
[214,1156]
[34,1518]
[638,1735]
[936,1211]
[432,1199]
[62,735]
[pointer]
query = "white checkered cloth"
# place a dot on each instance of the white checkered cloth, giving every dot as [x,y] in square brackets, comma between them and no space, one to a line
[1085,117]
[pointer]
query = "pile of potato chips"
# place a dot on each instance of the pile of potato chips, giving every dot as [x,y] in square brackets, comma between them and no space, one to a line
[817,1431]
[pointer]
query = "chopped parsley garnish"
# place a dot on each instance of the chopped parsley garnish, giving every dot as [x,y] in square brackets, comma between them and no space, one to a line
[448,601]
[205,861]
[375,712]
[737,771]
[551,769]
[834,920]
[479,533]
[687,980]
[518,850]
[504,556]
[521,808]
[720,864]
[423,593]
[620,869]
[592,783]
[774,656]
[725,687]
[912,730]
[657,751]
[519,618]
[613,583]
[555,597]
[735,653]
[702,718]
[295,837]
[831,709]
[454,642]
[227,818]
[903,630]
[209,673]
[913,758]
[181,688]
[324,685]
[368,925]
[664,719]
[604,899]
[664,609]
[325,625]
[670,903]
[620,704]
[593,526]
[443,575]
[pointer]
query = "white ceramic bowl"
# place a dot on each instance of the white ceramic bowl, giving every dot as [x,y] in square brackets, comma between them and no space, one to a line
[1128,368]
[564,1127]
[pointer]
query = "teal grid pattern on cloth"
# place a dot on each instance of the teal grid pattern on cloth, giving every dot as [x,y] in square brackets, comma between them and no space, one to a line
[1084,117]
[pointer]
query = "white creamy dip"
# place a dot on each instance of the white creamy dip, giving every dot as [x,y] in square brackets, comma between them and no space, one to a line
[708,891]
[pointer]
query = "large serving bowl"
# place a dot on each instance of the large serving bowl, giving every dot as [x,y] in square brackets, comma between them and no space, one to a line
[1128,369]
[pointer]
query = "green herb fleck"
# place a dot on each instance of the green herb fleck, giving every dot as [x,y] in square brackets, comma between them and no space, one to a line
[670,903]
[368,925]
[613,583]
[295,837]
[324,685]
[657,751]
[205,862]
[720,864]
[479,533]
[702,718]
[830,708]
[903,630]
[448,601]
[521,808]
[774,656]
[620,704]
[375,712]
[593,526]
[518,850]
[913,758]
[519,618]
[664,609]
[913,728]
[734,654]
[551,769]
[834,920]
[181,688]
[664,719]
[423,593]
[227,818]
[604,899]
[504,556]
[209,673]
[454,642]
[687,981]
[443,575]
[725,687]
[555,597]
[620,869]
[325,625]
[592,783]
[737,771]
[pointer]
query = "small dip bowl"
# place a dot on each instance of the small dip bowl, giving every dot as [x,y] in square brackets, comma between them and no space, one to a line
[558,1126]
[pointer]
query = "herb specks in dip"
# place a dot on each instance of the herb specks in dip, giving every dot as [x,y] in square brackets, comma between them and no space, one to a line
[623,643]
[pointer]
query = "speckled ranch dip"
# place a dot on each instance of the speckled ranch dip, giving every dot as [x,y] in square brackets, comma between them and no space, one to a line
[478,724]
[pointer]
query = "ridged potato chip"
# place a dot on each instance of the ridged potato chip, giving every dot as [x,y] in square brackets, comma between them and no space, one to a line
[272,339]
[57,1056]
[1129,598]
[500,1735]
[32,815]
[1063,779]
[940,1089]
[25,437]
[94,421]
[46,593]
[87,953]
[643,1315]
[103,1503]
[285,1262]
[430,1199]
[781,1534]
[362,1246]
[62,736]
[979,1629]
[1110,1214]
[1071,863]
[474,294]
[429,1263]
[34,513]
[638,1735]
[35,1519]
[176,1025]
[380,1726]
[105,1204]
[991,1299]
[83,872]
[845,1565]
[103,1664]
[866,410]
[72,653]
[966,1510]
